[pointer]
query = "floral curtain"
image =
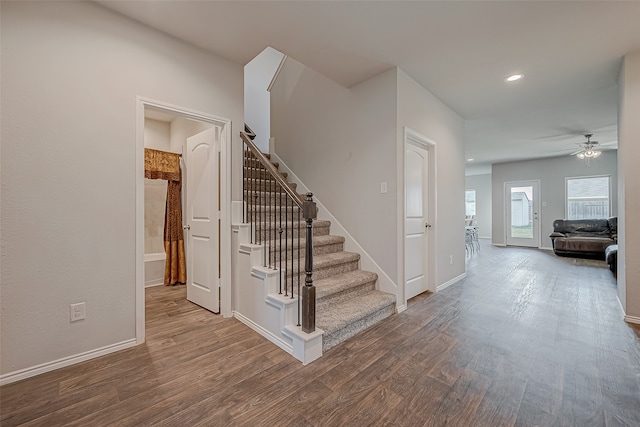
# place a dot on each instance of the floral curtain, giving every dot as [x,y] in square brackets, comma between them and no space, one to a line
[162,165]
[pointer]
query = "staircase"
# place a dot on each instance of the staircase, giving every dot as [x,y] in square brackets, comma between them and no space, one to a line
[347,301]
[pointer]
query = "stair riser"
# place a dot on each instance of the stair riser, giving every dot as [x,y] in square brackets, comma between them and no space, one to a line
[335,338]
[263,215]
[256,173]
[323,272]
[323,303]
[249,155]
[256,164]
[269,232]
[317,250]
[264,186]
[269,198]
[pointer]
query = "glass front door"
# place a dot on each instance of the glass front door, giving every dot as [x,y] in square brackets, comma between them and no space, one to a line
[522,213]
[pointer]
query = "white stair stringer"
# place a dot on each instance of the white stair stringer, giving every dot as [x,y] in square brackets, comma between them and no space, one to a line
[259,305]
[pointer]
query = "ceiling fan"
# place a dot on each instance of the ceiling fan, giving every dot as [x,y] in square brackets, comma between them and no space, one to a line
[588,150]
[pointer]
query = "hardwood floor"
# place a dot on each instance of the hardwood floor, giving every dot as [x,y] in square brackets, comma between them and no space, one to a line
[526,339]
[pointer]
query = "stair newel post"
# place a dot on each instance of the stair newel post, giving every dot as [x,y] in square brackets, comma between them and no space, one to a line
[309,291]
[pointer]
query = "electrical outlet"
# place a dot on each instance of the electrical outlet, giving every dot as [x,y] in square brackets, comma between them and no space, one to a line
[77,311]
[383,187]
[450,259]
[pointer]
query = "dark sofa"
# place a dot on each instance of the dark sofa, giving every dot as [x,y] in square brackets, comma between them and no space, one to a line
[584,238]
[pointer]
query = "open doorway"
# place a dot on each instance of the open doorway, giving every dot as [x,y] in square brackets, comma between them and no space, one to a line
[202,140]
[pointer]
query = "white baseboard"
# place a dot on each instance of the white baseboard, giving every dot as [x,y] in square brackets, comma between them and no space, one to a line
[451,282]
[500,245]
[401,308]
[632,319]
[65,361]
[152,283]
[265,333]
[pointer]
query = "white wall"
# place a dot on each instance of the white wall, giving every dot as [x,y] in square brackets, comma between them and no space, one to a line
[551,173]
[155,201]
[482,185]
[341,143]
[183,128]
[628,155]
[156,136]
[71,72]
[422,112]
[258,75]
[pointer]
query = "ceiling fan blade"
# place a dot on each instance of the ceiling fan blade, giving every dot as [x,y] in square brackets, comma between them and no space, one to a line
[576,152]
[609,144]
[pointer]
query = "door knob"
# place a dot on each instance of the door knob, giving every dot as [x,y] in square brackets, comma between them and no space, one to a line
[427,225]
[186,227]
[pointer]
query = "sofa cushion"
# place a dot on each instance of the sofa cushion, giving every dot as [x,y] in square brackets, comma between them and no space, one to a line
[600,226]
[582,243]
[611,255]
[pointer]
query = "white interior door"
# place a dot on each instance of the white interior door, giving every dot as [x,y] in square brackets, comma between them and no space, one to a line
[522,207]
[203,219]
[416,163]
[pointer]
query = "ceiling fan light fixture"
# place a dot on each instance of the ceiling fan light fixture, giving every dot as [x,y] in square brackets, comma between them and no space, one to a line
[588,150]
[514,77]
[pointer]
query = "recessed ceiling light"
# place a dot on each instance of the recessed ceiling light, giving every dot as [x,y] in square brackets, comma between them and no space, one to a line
[514,77]
[469,160]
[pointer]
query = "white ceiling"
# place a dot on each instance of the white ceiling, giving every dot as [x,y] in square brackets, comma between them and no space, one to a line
[461,51]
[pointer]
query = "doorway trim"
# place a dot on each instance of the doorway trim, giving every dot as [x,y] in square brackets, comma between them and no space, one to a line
[412,137]
[225,204]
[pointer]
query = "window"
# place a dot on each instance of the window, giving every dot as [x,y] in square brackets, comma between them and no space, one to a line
[470,202]
[588,197]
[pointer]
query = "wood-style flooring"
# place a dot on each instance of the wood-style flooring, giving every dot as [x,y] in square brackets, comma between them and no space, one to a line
[526,339]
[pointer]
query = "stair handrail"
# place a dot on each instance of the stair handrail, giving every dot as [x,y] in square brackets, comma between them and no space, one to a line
[309,209]
[297,198]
